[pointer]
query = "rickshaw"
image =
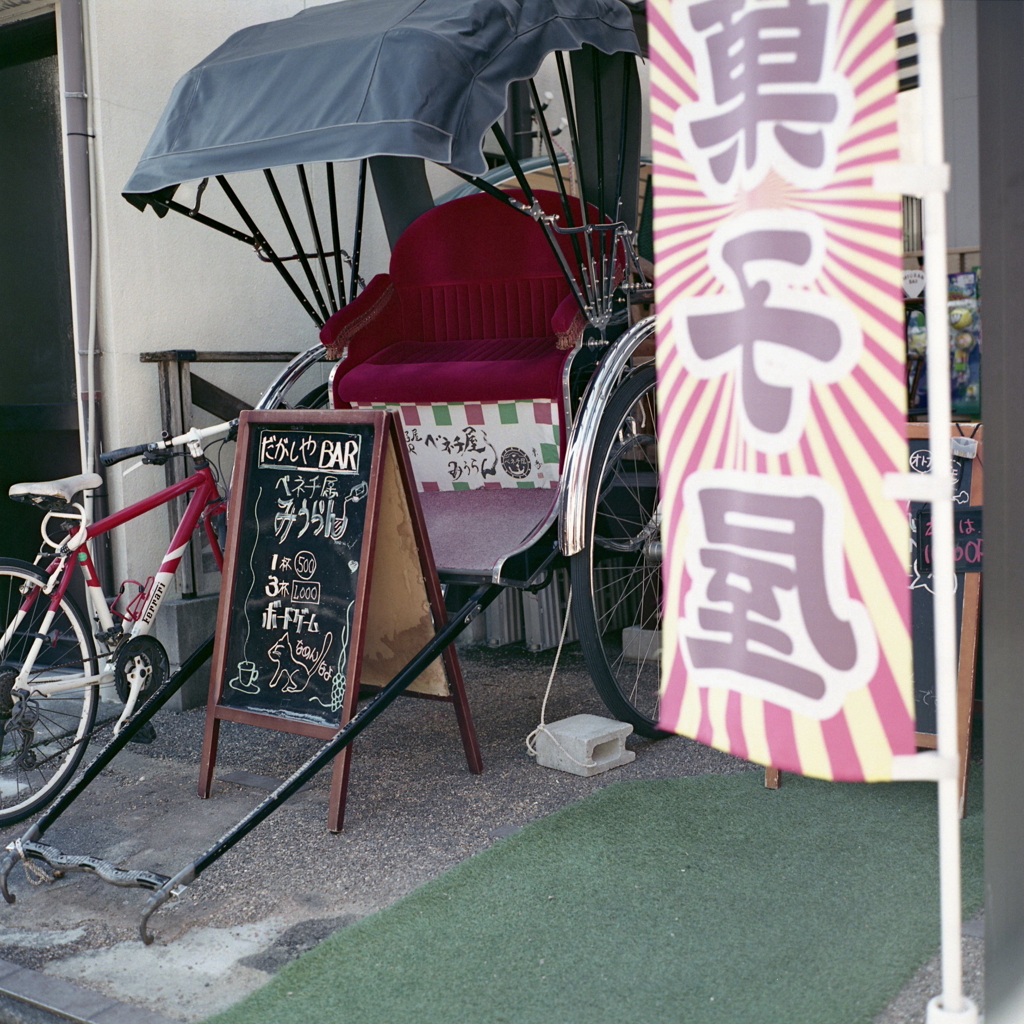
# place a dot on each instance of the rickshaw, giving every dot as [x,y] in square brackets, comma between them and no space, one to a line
[512,311]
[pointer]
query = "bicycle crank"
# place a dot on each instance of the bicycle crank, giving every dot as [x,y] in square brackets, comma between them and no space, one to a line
[141,666]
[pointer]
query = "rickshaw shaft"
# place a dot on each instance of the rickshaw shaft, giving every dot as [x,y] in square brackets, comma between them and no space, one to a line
[480,599]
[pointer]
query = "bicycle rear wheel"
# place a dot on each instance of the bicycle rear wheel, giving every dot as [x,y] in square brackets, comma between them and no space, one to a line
[42,739]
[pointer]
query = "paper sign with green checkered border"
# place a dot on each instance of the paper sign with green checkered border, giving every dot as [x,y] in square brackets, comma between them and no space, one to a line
[460,446]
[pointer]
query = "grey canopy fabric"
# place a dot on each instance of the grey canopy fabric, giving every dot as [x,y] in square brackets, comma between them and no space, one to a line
[360,78]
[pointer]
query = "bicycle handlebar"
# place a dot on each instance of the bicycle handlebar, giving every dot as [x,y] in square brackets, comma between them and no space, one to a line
[120,454]
[196,434]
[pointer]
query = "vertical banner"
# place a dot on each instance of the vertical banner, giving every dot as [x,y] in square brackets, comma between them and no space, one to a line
[781,382]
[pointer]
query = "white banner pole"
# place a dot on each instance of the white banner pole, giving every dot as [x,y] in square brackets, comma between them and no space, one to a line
[951,1005]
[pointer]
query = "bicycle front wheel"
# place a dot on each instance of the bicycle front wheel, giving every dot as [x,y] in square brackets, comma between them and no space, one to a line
[42,737]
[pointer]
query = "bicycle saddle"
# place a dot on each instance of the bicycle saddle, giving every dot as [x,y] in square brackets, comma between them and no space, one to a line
[54,495]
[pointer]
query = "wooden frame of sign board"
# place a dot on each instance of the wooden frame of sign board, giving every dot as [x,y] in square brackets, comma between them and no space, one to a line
[970,616]
[382,601]
[970,621]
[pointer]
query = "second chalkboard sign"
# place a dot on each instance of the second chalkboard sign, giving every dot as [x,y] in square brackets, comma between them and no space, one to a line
[968,497]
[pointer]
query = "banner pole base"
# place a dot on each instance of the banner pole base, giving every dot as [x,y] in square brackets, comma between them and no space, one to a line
[937,1015]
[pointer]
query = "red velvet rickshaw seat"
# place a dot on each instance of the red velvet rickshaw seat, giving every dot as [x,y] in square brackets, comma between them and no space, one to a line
[464,314]
[473,309]
[492,370]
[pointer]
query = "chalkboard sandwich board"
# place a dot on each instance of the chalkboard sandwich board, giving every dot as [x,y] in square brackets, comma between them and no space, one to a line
[328,582]
[966,455]
[968,494]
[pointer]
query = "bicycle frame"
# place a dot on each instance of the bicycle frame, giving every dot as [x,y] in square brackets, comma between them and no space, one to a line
[75,551]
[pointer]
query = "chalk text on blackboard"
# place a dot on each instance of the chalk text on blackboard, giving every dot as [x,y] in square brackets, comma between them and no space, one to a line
[295,449]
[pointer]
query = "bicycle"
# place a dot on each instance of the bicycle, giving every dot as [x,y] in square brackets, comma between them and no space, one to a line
[52,664]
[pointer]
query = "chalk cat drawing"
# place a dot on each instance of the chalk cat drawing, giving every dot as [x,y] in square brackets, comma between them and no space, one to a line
[295,671]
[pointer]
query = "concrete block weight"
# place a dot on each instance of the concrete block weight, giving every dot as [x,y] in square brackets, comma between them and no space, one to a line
[641,645]
[584,745]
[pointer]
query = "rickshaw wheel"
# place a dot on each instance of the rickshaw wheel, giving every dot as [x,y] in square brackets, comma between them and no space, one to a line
[316,399]
[616,578]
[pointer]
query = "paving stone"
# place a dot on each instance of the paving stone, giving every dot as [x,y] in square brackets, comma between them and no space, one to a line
[54,994]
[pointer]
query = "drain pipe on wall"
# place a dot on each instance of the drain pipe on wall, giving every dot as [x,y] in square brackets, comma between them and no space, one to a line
[80,203]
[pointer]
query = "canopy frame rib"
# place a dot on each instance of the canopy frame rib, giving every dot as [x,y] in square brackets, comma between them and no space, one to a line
[627,85]
[289,225]
[314,227]
[193,214]
[574,138]
[261,244]
[357,239]
[332,202]
[549,145]
[599,132]
[543,219]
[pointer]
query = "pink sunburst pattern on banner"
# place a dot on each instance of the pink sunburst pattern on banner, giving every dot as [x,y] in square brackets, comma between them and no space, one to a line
[854,427]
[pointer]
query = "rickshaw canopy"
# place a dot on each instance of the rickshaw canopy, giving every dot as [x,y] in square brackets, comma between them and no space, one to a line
[363,78]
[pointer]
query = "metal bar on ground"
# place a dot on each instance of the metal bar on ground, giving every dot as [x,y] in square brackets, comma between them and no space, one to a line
[190,666]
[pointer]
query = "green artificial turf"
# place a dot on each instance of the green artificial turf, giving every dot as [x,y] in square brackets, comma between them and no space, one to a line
[694,900]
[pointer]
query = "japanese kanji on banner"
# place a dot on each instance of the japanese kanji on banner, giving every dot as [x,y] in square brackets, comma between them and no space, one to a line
[782,404]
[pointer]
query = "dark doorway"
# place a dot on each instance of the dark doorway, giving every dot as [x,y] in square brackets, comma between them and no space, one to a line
[38,408]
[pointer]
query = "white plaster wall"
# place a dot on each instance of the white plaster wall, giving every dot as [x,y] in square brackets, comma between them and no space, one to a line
[169,283]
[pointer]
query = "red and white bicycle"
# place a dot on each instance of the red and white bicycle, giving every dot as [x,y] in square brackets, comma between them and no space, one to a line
[53,658]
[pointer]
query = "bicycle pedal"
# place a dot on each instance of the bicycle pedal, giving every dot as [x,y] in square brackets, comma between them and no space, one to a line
[145,735]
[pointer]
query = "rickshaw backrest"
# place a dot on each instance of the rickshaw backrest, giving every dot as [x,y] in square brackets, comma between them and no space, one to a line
[474,268]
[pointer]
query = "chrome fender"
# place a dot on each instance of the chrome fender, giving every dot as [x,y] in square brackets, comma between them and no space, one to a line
[289,375]
[572,495]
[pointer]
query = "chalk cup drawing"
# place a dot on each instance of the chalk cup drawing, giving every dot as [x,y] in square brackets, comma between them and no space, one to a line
[244,679]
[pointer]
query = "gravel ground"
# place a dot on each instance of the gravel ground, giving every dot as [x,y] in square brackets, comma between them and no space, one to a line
[413,808]
[413,811]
